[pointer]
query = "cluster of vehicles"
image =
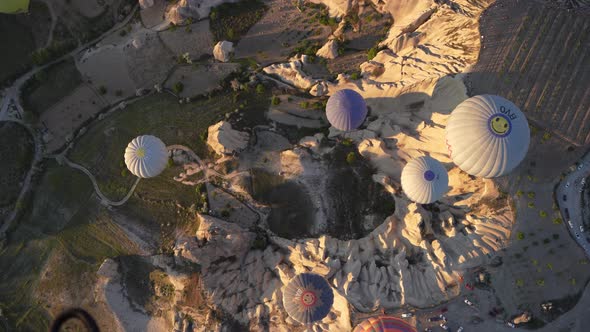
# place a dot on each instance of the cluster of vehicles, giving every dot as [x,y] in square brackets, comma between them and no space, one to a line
[581,229]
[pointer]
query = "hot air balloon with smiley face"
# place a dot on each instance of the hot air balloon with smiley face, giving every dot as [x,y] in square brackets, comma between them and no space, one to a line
[487,136]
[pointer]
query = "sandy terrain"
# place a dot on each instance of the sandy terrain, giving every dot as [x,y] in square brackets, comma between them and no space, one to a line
[199,78]
[197,42]
[273,38]
[153,16]
[70,113]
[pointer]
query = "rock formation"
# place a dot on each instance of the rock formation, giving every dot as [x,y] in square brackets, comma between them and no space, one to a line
[225,140]
[329,50]
[223,51]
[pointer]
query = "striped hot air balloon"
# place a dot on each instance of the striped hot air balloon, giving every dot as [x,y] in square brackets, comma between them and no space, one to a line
[487,136]
[346,110]
[384,324]
[424,180]
[308,298]
[146,156]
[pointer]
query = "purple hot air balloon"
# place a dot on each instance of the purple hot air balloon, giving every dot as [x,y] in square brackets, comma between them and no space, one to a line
[346,110]
[308,298]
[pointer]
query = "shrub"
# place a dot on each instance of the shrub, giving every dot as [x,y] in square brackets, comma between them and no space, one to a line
[351,158]
[519,193]
[573,281]
[213,14]
[355,76]
[178,87]
[170,163]
[550,266]
[260,89]
[541,282]
[372,53]
[225,213]
[102,90]
[519,282]
[555,236]
[531,205]
[542,214]
[535,262]
[531,194]
[124,172]
[520,235]
[546,240]
[275,100]
[230,34]
[118,93]
[347,142]
[304,104]
[557,221]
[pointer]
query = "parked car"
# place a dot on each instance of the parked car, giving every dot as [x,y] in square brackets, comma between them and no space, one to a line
[565,198]
[427,330]
[407,315]
[577,236]
[583,182]
[580,166]
[469,303]
[510,324]
[436,318]
[581,228]
[444,326]
[460,329]
[569,222]
[567,213]
[567,184]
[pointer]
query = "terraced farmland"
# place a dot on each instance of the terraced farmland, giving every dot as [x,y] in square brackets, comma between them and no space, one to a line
[539,57]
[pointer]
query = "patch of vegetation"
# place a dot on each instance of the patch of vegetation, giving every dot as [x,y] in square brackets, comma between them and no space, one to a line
[531,205]
[49,86]
[372,53]
[102,90]
[519,282]
[558,221]
[260,89]
[230,21]
[542,214]
[275,100]
[178,87]
[306,47]
[351,158]
[520,235]
[531,194]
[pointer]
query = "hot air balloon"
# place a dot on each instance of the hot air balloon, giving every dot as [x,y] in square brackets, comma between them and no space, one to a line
[384,324]
[346,110]
[146,156]
[308,298]
[487,136]
[424,180]
[14,6]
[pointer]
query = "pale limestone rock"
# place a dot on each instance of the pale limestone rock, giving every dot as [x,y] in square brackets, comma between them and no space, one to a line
[320,89]
[146,3]
[225,140]
[223,51]
[329,50]
[291,73]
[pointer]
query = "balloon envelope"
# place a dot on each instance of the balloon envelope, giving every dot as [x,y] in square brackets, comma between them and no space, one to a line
[14,6]
[487,136]
[346,110]
[146,156]
[424,180]
[308,298]
[384,324]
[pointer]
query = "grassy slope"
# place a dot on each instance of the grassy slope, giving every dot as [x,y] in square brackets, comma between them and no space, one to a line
[65,220]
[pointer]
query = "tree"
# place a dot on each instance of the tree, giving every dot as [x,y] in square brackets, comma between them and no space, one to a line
[260,89]
[351,158]
[275,100]
[519,282]
[372,53]
[102,90]
[520,235]
[531,194]
[178,87]
[519,193]
[543,214]
[531,205]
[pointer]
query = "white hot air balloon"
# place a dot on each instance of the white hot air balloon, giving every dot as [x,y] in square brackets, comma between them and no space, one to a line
[424,180]
[487,136]
[146,156]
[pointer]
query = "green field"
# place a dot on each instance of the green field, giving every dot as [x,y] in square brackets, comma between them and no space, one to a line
[101,149]
[64,221]
[16,149]
[51,85]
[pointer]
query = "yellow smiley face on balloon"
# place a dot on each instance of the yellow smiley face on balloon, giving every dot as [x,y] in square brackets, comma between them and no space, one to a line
[499,125]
